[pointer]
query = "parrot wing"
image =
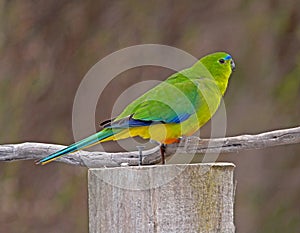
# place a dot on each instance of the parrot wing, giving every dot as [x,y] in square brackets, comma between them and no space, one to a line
[173,101]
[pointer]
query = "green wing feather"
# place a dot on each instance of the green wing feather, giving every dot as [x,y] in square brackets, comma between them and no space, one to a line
[177,96]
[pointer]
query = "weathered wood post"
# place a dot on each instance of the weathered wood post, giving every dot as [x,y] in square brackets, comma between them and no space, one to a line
[169,198]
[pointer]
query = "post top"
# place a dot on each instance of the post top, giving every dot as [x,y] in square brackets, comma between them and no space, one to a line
[204,165]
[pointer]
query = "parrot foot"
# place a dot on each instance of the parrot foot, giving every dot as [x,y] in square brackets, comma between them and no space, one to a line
[162,153]
[140,149]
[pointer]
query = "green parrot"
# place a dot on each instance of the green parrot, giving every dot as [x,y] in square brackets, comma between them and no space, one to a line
[177,107]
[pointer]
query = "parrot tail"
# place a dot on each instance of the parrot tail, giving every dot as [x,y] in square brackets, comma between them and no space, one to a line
[87,142]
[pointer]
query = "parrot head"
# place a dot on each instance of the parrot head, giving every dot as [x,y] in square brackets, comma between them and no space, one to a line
[219,65]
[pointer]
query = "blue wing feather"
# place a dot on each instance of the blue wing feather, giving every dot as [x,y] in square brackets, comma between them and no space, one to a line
[131,122]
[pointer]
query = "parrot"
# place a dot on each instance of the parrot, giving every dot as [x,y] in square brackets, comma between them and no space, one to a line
[175,108]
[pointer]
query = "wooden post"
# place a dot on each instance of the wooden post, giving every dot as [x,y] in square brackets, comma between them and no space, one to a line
[162,198]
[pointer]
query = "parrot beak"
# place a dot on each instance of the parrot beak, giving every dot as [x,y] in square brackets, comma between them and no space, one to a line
[232,65]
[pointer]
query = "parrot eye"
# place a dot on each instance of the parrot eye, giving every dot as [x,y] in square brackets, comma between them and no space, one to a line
[221,61]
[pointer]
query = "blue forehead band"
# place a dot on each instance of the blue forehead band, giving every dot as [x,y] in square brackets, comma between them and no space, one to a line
[228,57]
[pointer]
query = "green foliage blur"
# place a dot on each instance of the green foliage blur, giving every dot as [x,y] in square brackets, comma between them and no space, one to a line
[46,48]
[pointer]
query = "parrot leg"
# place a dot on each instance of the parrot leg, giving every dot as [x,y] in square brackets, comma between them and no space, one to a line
[162,153]
[140,148]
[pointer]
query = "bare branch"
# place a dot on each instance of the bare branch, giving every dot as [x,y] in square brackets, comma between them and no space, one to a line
[190,145]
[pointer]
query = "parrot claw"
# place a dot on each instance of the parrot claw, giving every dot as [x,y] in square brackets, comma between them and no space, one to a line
[162,153]
[140,149]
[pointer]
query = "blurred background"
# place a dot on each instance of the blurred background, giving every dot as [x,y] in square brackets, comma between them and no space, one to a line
[46,48]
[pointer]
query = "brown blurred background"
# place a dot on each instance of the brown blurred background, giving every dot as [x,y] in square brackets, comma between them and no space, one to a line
[46,47]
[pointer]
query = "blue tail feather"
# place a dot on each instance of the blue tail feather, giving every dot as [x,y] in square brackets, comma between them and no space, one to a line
[77,146]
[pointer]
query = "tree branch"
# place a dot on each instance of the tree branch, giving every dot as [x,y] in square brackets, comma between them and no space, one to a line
[189,145]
